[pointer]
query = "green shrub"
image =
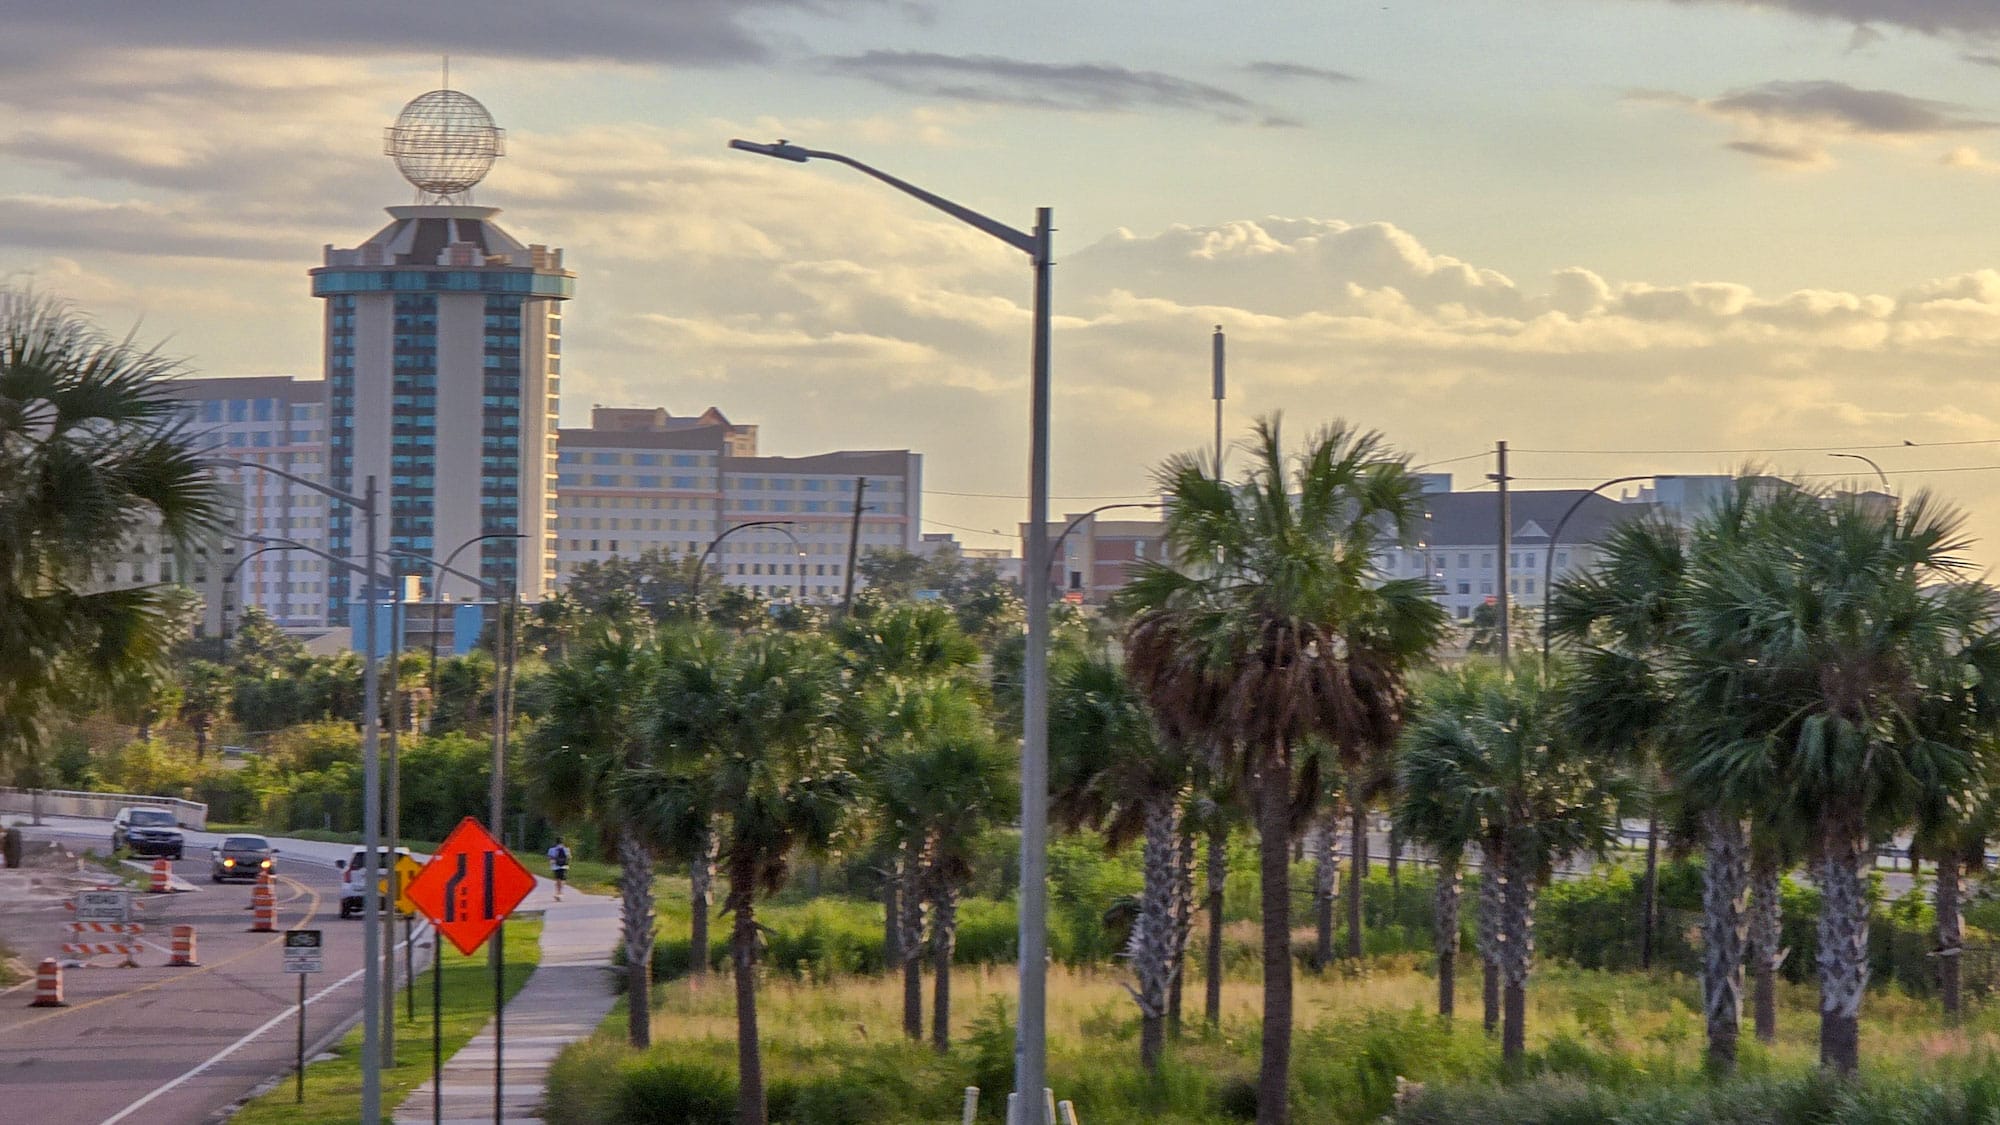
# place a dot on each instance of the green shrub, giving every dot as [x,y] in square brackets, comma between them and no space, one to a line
[652,1090]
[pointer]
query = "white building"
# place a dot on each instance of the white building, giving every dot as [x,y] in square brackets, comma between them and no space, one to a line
[639,480]
[279,421]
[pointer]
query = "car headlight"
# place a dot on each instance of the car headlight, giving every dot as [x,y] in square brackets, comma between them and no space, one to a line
[265,863]
[228,863]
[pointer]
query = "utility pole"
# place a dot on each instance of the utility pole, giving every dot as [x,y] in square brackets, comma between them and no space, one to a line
[1506,542]
[853,546]
[392,808]
[1218,401]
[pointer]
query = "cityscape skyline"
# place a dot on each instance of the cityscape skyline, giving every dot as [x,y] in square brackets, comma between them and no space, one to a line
[1691,248]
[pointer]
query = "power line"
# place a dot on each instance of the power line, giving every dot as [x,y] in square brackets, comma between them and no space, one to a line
[1452,460]
[1768,449]
[1011,496]
[1806,476]
[961,527]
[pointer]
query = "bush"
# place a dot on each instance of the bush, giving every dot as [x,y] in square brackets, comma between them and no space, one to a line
[652,1090]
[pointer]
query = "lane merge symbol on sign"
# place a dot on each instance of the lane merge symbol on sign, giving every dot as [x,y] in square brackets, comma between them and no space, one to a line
[470,886]
[302,951]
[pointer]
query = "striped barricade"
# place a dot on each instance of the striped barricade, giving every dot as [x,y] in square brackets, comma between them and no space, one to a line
[106,939]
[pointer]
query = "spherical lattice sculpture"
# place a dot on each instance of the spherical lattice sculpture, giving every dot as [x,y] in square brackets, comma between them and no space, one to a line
[444,142]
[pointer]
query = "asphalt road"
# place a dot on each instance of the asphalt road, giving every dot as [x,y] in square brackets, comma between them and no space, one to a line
[168,1046]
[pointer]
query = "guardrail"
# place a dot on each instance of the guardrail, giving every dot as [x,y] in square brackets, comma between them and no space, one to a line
[70,802]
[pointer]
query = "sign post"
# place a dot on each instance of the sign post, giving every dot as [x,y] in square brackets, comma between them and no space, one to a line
[467,890]
[406,871]
[302,958]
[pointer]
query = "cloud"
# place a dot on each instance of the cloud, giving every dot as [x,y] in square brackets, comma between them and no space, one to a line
[1968,158]
[1795,122]
[1932,17]
[1290,70]
[1979,59]
[1080,87]
[683,32]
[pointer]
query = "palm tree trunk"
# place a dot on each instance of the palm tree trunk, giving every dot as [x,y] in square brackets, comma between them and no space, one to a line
[635,899]
[1517,953]
[1151,945]
[701,891]
[1843,937]
[1357,877]
[1183,919]
[1326,885]
[1274,800]
[912,947]
[944,941]
[1491,884]
[750,1108]
[1766,932]
[1444,932]
[1395,860]
[1218,872]
[892,917]
[1722,884]
[1649,900]
[1950,930]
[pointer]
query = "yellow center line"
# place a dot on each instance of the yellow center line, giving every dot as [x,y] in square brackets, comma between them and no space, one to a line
[311,910]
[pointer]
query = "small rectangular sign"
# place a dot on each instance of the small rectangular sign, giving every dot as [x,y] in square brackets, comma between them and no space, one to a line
[302,951]
[104,906]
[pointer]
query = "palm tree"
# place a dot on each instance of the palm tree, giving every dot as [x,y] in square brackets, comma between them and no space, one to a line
[1436,811]
[1625,619]
[690,720]
[588,756]
[949,787]
[204,698]
[1111,772]
[913,663]
[779,787]
[1820,633]
[1489,758]
[93,451]
[1273,627]
[1214,809]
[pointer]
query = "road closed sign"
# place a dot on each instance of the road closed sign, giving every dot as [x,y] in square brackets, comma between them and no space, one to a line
[104,906]
[302,951]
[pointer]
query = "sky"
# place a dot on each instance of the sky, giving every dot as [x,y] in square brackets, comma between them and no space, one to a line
[1625,236]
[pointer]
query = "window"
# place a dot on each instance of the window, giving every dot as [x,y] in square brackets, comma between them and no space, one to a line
[1486,587]
[1562,559]
[1486,560]
[1464,612]
[1514,558]
[1464,588]
[1464,560]
[1531,585]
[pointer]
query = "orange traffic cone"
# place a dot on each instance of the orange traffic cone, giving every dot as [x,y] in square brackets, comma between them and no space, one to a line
[264,920]
[183,955]
[48,985]
[163,877]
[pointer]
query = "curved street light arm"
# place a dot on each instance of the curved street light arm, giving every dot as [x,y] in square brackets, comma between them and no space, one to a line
[347,498]
[701,565]
[1549,555]
[1055,548]
[1026,243]
[1870,462]
[437,593]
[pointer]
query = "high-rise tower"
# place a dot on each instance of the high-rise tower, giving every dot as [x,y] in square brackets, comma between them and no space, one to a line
[443,366]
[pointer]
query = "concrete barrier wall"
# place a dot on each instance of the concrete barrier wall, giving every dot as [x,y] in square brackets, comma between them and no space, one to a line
[104,806]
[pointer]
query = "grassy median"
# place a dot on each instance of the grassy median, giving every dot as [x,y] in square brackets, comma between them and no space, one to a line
[333,1085]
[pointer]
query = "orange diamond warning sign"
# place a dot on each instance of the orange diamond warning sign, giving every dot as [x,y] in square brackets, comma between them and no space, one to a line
[470,886]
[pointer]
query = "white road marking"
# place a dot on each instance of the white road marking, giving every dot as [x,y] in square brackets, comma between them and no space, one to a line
[274,1021]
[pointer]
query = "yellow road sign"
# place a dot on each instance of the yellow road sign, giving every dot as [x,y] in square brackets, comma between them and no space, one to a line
[406,870]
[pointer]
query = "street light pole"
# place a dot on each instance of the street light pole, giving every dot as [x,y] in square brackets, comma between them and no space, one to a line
[437,592]
[1870,462]
[701,564]
[1031,1036]
[1549,559]
[371,783]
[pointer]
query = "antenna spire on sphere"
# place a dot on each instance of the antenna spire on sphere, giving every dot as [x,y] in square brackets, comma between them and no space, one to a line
[444,142]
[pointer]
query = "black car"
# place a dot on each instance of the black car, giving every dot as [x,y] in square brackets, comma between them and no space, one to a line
[241,857]
[147,831]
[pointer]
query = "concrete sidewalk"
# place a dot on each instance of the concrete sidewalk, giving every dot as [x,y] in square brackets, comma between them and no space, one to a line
[564,1001]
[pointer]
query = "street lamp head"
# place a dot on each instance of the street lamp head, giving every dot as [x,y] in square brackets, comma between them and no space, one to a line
[782,149]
